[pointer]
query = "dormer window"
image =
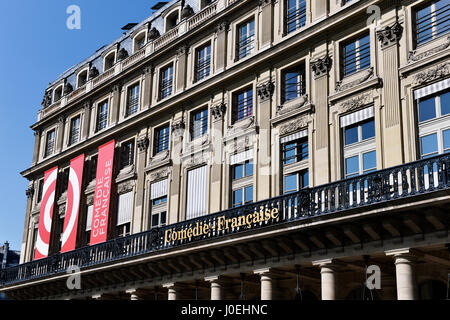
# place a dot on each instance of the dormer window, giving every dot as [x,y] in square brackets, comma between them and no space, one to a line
[205,3]
[82,78]
[172,20]
[58,94]
[139,41]
[110,60]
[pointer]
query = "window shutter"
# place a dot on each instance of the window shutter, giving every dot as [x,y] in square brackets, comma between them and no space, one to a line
[90,210]
[432,89]
[125,208]
[159,189]
[241,157]
[196,192]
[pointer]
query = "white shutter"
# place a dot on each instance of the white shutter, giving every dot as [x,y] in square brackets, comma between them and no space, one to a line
[159,189]
[357,116]
[196,192]
[90,210]
[432,89]
[125,208]
[241,157]
[295,136]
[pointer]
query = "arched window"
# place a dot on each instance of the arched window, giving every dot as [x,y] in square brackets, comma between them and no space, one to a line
[82,78]
[172,20]
[205,3]
[139,41]
[109,61]
[58,94]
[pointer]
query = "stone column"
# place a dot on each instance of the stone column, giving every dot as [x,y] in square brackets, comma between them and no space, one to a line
[393,142]
[29,193]
[86,121]
[266,283]
[181,70]
[148,84]
[175,214]
[405,272]
[216,287]
[266,8]
[320,68]
[217,115]
[328,279]
[143,143]
[37,144]
[60,134]
[115,108]
[172,291]
[221,44]
[265,92]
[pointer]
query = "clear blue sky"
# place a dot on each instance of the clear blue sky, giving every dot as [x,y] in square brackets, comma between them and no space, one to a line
[36,47]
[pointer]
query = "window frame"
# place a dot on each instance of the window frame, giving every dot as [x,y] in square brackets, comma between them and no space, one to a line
[156,139]
[343,57]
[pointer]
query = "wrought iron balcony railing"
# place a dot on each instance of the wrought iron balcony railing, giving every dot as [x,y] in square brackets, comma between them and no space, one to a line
[384,186]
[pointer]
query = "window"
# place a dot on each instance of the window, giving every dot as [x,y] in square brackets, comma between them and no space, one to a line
[87,234]
[127,154]
[58,94]
[123,230]
[242,196]
[74,130]
[196,195]
[432,21]
[82,78]
[295,151]
[245,39]
[166,82]
[203,62]
[242,105]
[50,143]
[361,164]
[158,203]
[295,182]
[356,55]
[92,173]
[60,233]
[139,41]
[434,122]
[199,124]
[161,139]
[110,60]
[242,170]
[40,190]
[125,205]
[102,116]
[294,83]
[295,16]
[359,132]
[132,100]
[172,20]
[35,235]
[64,181]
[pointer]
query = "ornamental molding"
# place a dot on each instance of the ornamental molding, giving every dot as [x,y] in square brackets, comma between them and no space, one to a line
[159,159]
[303,100]
[218,111]
[413,56]
[182,49]
[222,26]
[390,35]
[196,160]
[29,192]
[321,67]
[90,200]
[265,90]
[242,125]
[62,209]
[365,75]
[178,127]
[294,125]
[160,174]
[125,187]
[355,102]
[434,73]
[143,144]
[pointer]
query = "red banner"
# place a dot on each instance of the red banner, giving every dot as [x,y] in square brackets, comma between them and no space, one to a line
[69,237]
[102,193]
[46,214]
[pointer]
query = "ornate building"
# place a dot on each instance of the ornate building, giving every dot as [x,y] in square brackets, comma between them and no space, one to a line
[247,149]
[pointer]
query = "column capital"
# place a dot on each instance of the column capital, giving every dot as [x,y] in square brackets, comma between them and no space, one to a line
[324,263]
[390,35]
[169,285]
[321,66]
[265,90]
[400,252]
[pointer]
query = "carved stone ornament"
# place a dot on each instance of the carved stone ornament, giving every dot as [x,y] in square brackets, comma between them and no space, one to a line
[47,100]
[303,100]
[160,174]
[62,209]
[390,35]
[196,160]
[218,111]
[125,187]
[123,54]
[143,144]
[182,49]
[433,73]
[265,91]
[241,125]
[153,34]
[68,88]
[355,103]
[222,26]
[29,192]
[187,12]
[321,67]
[178,127]
[294,125]
[413,56]
[343,85]
[93,73]
[90,200]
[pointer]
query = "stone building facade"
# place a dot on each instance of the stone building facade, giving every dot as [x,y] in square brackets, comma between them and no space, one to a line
[331,118]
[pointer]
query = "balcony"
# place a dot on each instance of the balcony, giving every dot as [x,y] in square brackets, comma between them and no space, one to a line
[383,190]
